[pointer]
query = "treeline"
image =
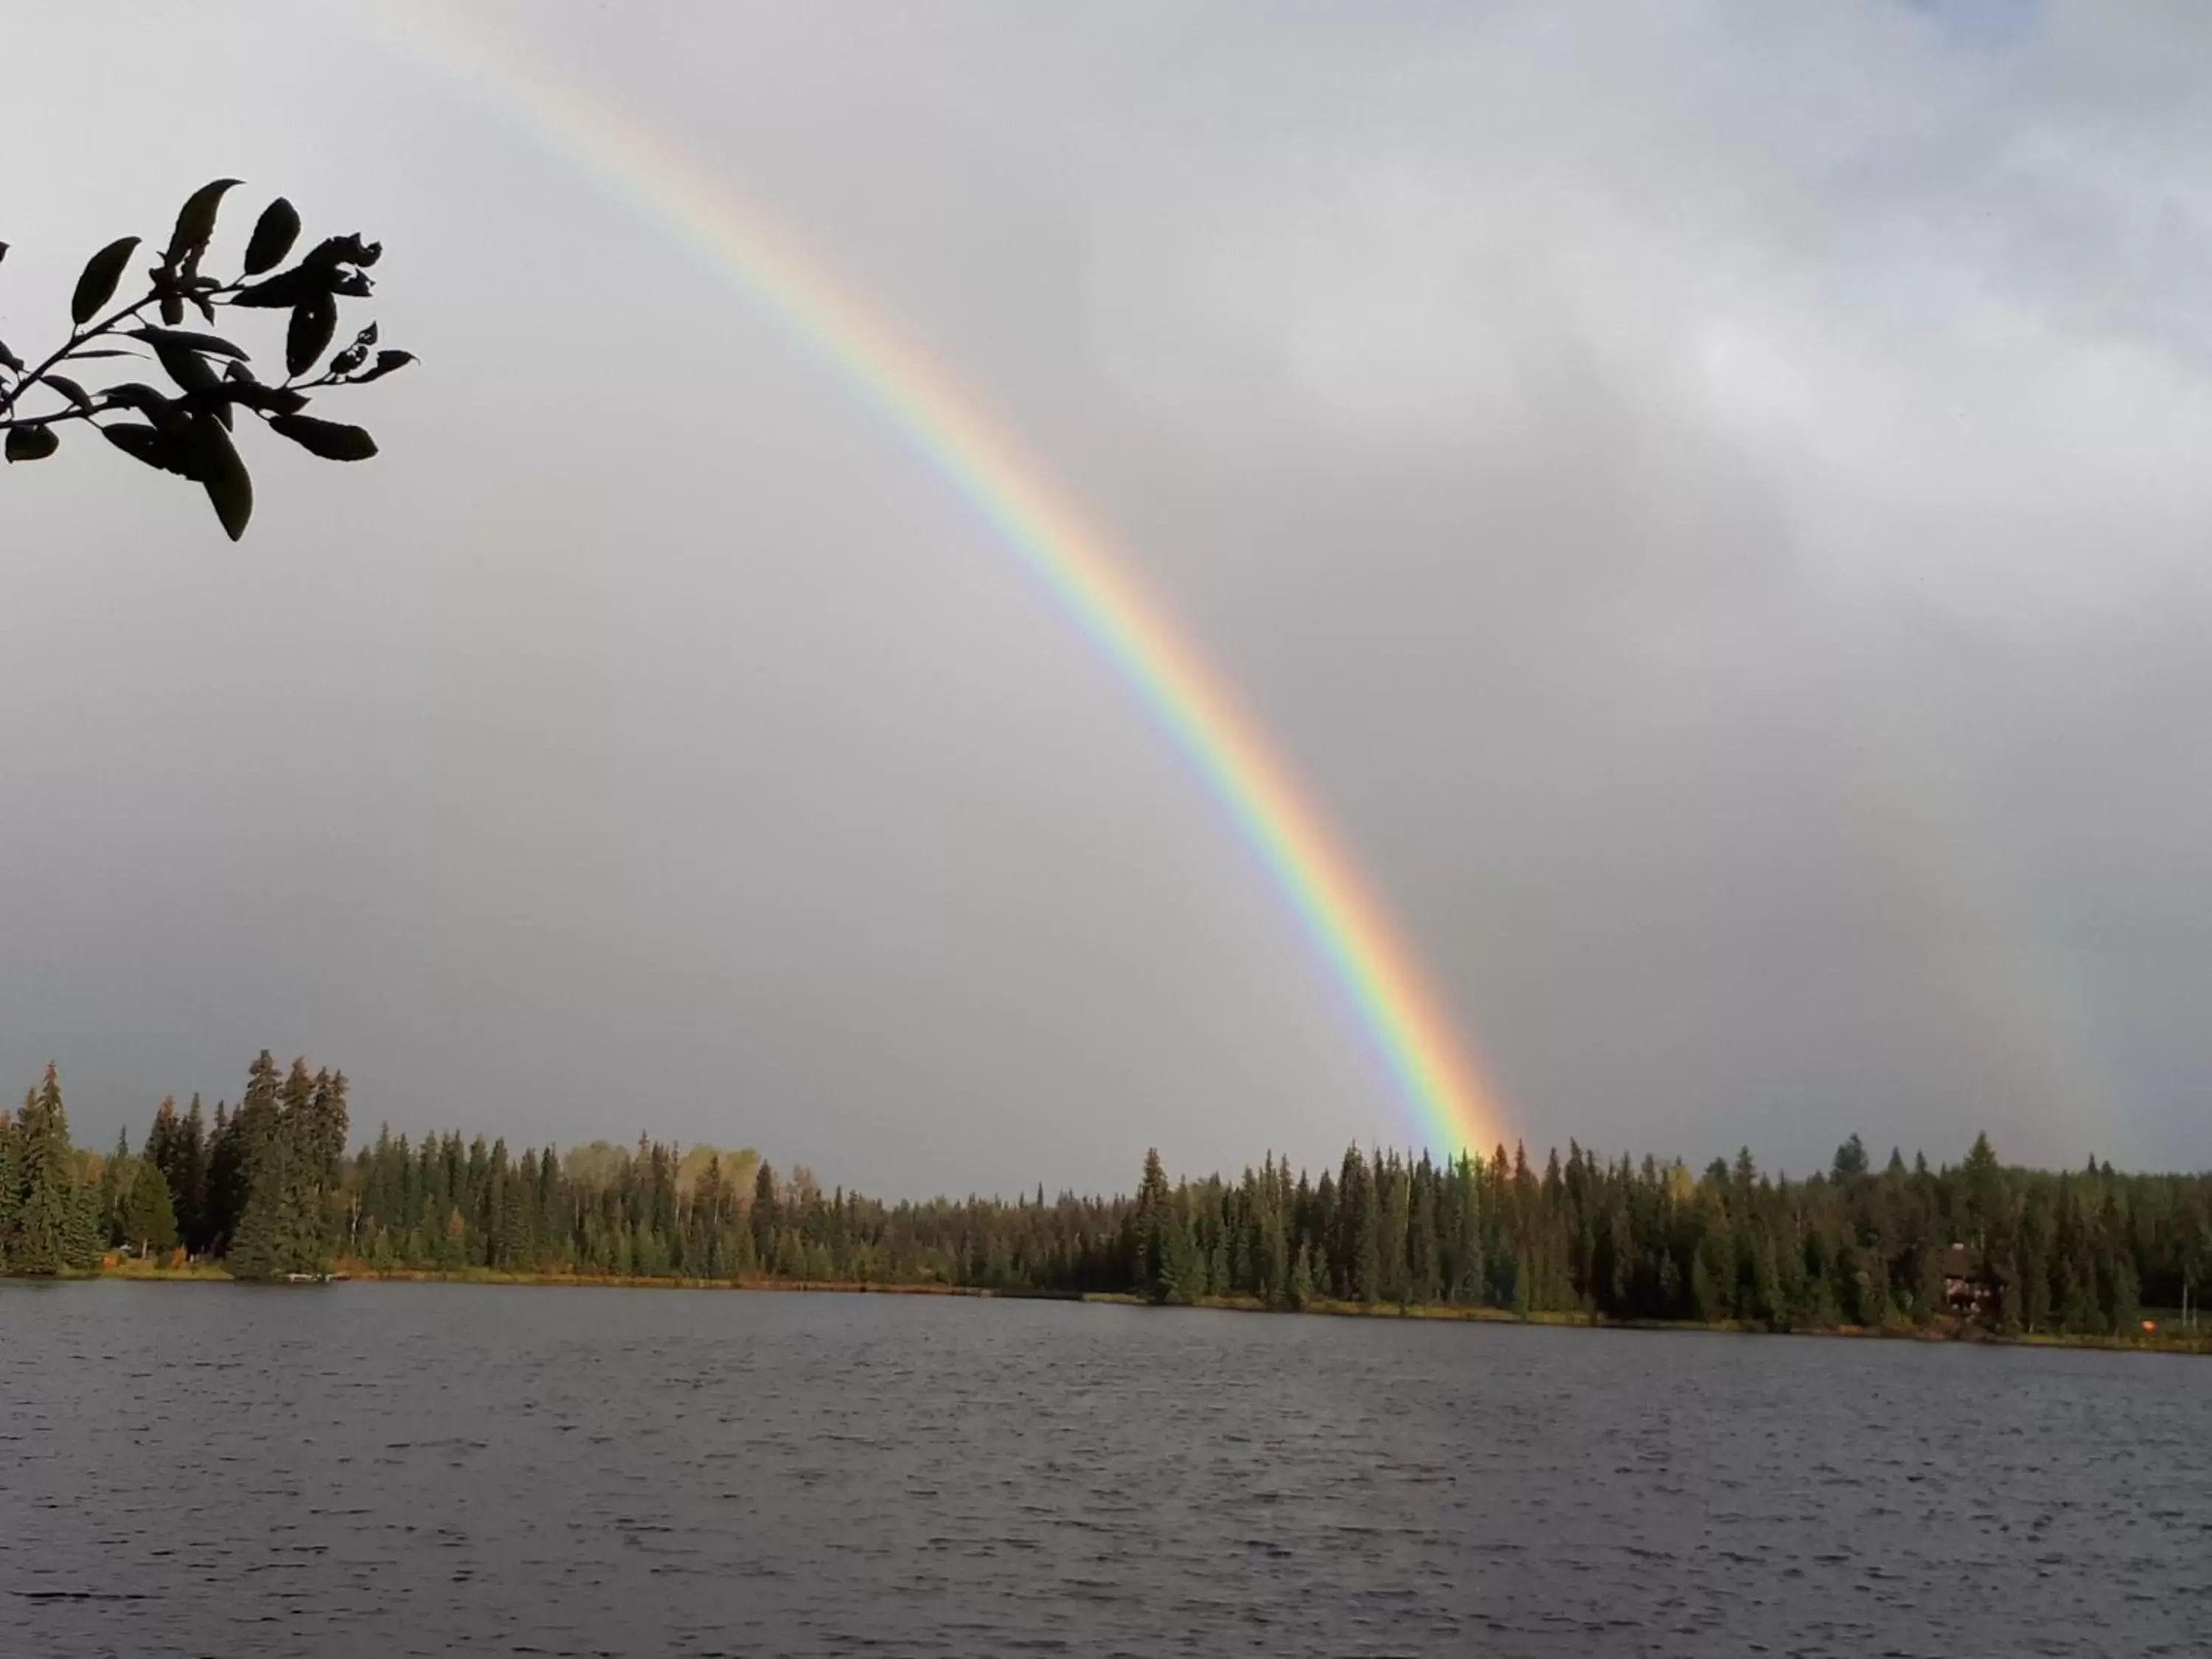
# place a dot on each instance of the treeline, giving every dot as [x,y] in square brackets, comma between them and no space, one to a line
[263,1189]
[270,1190]
[2020,1250]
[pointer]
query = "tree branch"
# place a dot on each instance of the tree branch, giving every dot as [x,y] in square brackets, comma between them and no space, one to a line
[10,421]
[202,398]
[78,337]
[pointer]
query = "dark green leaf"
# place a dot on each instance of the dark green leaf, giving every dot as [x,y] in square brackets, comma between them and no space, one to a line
[214,345]
[269,399]
[274,233]
[31,443]
[322,272]
[333,440]
[313,321]
[240,387]
[70,390]
[384,364]
[223,474]
[9,358]
[173,310]
[133,394]
[96,287]
[335,251]
[99,351]
[187,368]
[3,250]
[352,358]
[195,220]
[205,309]
[284,290]
[143,443]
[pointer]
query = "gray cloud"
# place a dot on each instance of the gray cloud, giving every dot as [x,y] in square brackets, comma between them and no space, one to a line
[1711,500]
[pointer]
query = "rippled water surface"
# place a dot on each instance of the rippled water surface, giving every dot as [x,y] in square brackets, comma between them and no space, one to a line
[425,1469]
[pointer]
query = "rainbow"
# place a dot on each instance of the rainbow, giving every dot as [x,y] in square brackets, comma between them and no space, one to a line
[1436,1076]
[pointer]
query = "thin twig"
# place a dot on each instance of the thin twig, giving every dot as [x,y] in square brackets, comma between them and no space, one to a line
[78,337]
[10,422]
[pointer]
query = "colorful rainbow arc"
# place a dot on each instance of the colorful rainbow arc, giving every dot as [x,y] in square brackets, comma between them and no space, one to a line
[1438,1081]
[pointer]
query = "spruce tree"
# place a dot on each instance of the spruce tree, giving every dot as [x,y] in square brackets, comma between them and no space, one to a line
[297,1234]
[1276,1256]
[1182,1265]
[1394,1210]
[1354,1230]
[763,1219]
[11,1189]
[150,1216]
[179,1147]
[320,1171]
[260,1247]
[49,1223]
[1151,1267]
[117,1176]
[226,1178]
[292,1134]
[1470,1269]
[1982,1180]
[1367,1250]
[85,1241]
[294,1138]
[1426,1276]
[161,1136]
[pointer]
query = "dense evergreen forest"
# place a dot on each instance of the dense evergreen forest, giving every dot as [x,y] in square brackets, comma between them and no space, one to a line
[270,1189]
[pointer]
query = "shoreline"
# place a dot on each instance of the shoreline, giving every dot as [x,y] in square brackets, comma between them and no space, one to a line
[2196,1343]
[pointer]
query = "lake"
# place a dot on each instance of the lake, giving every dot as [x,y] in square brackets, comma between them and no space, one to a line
[394,1469]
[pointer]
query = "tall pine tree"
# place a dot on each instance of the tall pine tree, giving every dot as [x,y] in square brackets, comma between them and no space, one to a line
[55,1227]
[149,1218]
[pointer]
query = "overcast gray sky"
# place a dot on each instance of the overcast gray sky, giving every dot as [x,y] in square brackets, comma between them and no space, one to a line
[1712,499]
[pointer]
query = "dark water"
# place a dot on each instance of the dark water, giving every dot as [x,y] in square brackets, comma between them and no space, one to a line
[388,1470]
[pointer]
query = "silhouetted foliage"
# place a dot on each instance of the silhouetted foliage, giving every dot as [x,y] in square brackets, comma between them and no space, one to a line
[187,431]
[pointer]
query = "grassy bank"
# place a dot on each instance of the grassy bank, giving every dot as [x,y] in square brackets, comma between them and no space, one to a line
[201,1272]
[358,1271]
[2163,1340]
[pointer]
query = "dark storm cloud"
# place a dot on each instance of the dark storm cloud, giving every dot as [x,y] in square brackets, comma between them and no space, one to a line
[1710,499]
